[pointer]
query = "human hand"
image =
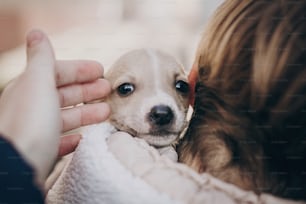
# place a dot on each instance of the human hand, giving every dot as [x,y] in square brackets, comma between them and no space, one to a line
[30,114]
[79,82]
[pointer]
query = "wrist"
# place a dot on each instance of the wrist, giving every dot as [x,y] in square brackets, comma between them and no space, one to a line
[40,159]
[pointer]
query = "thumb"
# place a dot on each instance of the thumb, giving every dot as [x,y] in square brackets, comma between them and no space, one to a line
[40,56]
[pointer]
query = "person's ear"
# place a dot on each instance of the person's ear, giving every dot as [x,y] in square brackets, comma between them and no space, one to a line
[192,79]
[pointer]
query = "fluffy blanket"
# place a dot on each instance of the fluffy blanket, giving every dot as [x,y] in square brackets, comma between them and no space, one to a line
[113,167]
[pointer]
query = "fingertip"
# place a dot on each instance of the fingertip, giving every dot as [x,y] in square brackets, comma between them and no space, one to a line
[104,111]
[98,112]
[105,85]
[34,37]
[40,56]
[99,67]
[68,144]
[94,113]
[95,67]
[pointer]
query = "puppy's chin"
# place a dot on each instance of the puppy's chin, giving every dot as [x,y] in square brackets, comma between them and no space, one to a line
[159,140]
[154,138]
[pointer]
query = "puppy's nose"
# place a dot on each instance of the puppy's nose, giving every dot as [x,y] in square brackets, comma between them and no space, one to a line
[161,115]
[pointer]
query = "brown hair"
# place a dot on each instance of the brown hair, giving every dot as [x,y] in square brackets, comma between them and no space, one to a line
[249,120]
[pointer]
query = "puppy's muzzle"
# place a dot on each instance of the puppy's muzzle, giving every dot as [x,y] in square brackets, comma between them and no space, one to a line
[160,116]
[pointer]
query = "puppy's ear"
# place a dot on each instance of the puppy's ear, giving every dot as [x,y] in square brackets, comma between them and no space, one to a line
[192,79]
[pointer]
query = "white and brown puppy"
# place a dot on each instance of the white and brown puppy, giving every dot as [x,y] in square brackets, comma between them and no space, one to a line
[149,96]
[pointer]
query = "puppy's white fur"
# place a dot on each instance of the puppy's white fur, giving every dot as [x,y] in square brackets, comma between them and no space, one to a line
[154,75]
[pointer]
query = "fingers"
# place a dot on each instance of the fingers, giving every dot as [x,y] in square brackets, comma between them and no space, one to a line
[40,55]
[77,71]
[84,115]
[68,144]
[79,93]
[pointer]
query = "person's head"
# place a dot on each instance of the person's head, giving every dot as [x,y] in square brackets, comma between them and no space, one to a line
[249,121]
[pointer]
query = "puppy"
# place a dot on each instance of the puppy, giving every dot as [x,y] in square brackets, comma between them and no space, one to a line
[249,122]
[149,97]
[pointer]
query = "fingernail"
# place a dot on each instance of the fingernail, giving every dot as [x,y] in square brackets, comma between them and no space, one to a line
[34,38]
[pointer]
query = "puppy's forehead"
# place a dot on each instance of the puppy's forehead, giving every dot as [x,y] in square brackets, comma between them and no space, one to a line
[145,62]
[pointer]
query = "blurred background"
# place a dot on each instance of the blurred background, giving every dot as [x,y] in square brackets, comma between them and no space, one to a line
[101,30]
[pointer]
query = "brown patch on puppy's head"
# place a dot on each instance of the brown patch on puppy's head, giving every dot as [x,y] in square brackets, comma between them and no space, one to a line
[149,97]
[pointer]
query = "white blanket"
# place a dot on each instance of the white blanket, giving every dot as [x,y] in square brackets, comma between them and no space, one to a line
[113,167]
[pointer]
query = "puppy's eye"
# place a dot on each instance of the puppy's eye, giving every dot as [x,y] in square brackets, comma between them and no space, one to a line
[182,86]
[125,89]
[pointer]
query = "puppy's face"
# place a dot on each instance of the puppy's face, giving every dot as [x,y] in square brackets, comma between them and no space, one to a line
[149,96]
